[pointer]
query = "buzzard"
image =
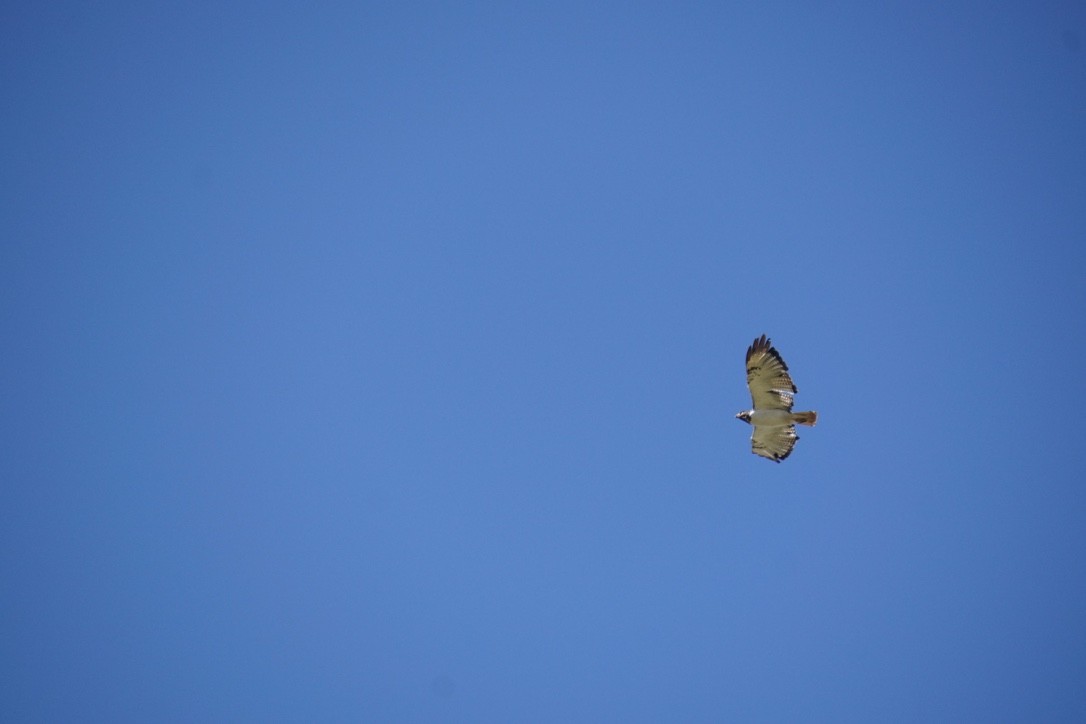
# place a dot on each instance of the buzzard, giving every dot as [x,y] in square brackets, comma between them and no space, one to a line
[771,390]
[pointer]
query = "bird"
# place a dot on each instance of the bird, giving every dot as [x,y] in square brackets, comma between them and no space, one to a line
[771,392]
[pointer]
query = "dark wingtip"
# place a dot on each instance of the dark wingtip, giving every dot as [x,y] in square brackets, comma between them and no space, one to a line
[758,344]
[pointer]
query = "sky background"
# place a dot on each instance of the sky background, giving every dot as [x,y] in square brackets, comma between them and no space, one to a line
[378,361]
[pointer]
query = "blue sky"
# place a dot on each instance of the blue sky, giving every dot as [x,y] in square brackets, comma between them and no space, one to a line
[378,362]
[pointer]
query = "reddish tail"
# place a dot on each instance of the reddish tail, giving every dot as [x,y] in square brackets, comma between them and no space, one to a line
[805,418]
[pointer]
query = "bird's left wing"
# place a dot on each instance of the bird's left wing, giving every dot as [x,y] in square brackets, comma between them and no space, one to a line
[771,387]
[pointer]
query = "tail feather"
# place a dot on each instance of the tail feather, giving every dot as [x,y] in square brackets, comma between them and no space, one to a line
[805,418]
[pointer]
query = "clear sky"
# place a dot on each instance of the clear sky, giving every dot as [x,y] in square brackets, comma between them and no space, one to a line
[378,361]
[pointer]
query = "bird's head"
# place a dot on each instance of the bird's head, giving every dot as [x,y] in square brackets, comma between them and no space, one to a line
[744,416]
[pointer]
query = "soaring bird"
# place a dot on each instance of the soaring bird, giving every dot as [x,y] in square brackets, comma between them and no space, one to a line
[772,390]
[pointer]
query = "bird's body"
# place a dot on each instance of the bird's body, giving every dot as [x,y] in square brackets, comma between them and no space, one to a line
[770,418]
[772,392]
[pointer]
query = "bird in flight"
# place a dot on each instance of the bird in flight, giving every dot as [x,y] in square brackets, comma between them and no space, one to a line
[771,391]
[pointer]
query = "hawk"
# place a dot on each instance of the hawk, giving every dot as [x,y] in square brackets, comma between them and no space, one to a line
[771,390]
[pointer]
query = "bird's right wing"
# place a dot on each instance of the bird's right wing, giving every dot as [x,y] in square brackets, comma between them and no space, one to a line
[775,443]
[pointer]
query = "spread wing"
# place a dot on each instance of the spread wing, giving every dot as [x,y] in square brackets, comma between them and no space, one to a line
[771,388]
[775,443]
